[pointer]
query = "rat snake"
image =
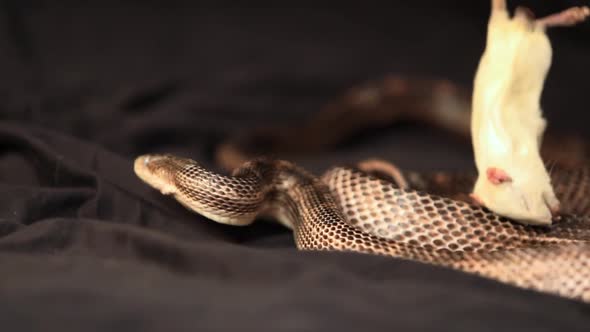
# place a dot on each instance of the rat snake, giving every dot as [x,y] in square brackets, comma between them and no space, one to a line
[375,208]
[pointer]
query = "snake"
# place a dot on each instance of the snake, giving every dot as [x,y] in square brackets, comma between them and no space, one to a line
[374,207]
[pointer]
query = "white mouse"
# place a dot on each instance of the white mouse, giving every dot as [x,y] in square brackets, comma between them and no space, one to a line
[507,124]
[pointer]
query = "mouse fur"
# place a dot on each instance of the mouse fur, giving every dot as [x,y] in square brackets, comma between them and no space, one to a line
[507,121]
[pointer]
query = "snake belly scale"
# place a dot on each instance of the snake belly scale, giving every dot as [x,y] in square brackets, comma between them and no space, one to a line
[350,210]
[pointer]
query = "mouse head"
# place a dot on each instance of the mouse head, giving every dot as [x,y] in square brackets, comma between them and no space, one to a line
[523,195]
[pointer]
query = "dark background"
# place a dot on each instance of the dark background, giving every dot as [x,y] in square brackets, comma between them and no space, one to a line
[84,88]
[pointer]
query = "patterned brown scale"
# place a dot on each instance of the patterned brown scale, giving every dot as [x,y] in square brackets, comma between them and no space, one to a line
[572,185]
[347,210]
[415,217]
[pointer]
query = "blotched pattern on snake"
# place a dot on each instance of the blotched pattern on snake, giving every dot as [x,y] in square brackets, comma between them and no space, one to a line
[348,209]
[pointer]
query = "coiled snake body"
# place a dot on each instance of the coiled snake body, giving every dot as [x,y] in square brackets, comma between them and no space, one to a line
[375,208]
[350,210]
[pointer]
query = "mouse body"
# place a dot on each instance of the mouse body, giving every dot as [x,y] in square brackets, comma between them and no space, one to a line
[507,123]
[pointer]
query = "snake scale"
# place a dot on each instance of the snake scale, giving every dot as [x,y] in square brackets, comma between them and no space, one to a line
[348,209]
[375,208]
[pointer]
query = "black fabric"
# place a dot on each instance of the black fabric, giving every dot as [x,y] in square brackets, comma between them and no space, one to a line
[85,246]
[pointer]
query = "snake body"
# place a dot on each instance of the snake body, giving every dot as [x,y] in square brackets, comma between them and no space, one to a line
[375,208]
[351,210]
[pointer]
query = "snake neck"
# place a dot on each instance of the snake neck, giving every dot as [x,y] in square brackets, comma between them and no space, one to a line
[262,187]
[291,193]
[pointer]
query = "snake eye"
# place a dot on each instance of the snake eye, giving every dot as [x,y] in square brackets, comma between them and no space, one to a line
[497,175]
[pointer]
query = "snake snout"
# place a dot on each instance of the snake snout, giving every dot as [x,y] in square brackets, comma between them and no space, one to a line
[140,164]
[153,170]
[143,164]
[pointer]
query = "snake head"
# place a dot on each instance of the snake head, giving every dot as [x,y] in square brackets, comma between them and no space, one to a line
[158,171]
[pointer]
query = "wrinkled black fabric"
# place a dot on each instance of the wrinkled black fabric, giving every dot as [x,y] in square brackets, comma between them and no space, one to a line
[85,246]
